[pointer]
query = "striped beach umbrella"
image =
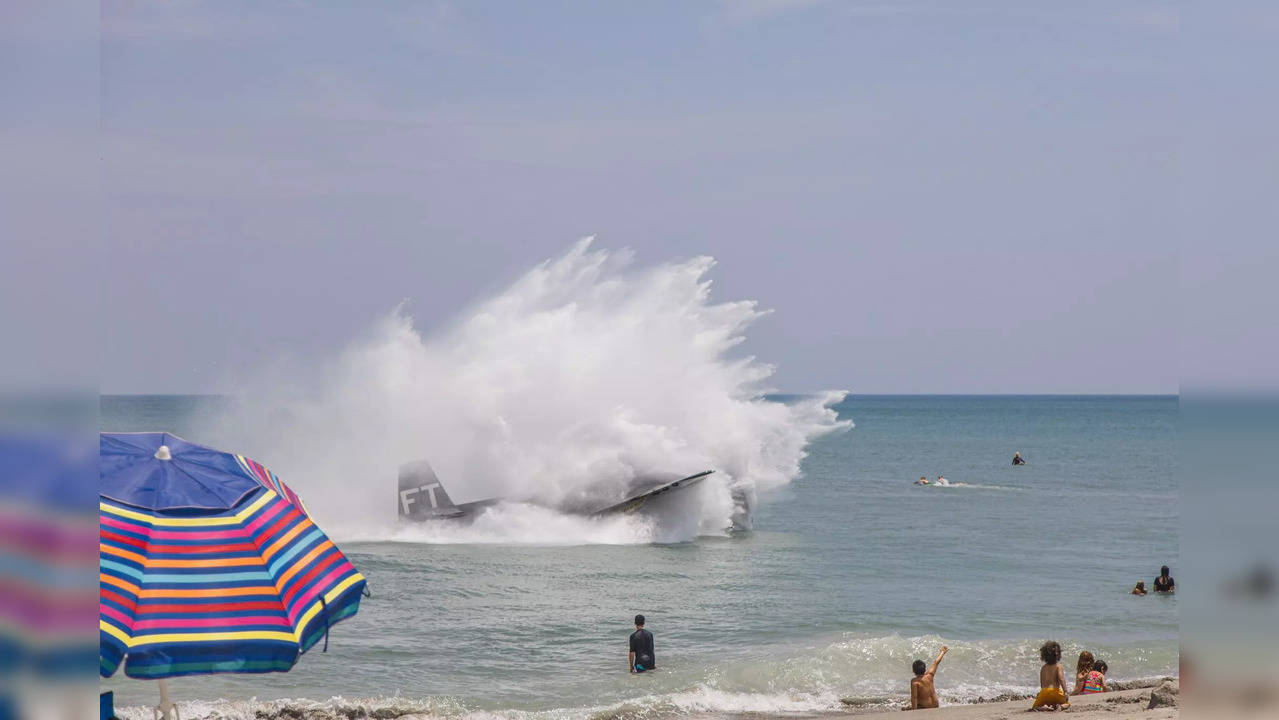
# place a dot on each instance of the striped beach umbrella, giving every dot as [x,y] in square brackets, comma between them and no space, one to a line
[208,563]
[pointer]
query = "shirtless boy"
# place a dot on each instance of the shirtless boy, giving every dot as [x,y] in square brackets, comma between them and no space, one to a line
[922,693]
[1052,683]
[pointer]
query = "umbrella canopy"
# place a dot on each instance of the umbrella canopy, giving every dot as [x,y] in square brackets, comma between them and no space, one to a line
[208,563]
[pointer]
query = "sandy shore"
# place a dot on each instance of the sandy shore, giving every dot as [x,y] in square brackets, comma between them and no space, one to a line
[1123,703]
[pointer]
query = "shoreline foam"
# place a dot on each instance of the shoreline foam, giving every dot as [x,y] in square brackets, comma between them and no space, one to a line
[1131,699]
[1133,703]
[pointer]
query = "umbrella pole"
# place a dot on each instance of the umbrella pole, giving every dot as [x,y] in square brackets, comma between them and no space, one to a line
[166,709]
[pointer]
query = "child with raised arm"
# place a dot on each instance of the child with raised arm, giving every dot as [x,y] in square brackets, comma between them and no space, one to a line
[922,693]
[1052,683]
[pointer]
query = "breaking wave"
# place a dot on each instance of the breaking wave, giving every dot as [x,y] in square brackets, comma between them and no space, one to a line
[700,700]
[852,672]
[586,372]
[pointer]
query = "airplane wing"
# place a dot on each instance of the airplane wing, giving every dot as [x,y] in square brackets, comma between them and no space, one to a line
[631,504]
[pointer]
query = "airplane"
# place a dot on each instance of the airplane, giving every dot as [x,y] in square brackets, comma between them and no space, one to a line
[422,496]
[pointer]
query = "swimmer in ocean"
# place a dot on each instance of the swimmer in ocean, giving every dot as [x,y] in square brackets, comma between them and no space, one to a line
[1017,459]
[923,480]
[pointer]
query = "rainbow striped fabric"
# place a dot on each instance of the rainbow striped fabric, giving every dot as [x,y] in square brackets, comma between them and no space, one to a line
[269,479]
[188,586]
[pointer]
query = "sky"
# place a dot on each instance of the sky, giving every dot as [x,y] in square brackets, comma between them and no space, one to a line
[930,196]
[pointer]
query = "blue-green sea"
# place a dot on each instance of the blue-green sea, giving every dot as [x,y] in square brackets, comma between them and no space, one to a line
[850,572]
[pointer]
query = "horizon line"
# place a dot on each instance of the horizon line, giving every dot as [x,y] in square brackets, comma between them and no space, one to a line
[787,392]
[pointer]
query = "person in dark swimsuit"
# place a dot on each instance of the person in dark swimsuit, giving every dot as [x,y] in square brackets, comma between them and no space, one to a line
[1164,583]
[1017,459]
[642,657]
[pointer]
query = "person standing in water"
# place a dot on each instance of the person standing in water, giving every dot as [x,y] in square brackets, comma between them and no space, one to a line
[922,693]
[1017,459]
[1164,583]
[642,656]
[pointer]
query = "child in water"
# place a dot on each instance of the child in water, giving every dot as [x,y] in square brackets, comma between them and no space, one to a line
[1140,588]
[922,693]
[1052,683]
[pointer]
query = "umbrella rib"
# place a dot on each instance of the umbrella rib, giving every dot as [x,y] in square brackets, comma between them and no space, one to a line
[211,491]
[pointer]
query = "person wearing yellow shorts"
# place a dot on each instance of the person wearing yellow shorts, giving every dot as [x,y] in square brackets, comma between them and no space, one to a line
[1052,683]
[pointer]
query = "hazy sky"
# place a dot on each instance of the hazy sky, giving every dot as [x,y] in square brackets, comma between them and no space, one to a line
[931,196]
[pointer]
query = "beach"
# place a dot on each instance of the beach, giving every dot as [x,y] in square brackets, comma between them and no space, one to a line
[1124,703]
[1129,703]
[849,574]
[438,347]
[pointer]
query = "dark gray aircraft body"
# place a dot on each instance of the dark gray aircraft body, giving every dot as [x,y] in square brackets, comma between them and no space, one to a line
[423,497]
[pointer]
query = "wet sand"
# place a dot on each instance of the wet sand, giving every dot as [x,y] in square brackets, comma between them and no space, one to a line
[1124,703]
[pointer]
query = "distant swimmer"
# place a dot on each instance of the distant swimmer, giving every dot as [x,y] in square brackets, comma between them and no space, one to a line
[1017,459]
[941,481]
[922,480]
[641,657]
[1164,583]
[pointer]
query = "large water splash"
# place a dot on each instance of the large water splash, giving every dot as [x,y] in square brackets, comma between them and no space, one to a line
[586,370]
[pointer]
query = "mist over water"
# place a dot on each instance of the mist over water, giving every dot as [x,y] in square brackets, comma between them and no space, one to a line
[584,374]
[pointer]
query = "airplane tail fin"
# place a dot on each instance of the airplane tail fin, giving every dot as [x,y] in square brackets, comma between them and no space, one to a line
[422,496]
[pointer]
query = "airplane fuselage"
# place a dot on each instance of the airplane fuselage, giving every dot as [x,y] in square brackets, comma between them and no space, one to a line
[423,497]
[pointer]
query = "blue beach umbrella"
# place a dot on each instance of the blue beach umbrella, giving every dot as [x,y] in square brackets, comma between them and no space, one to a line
[208,563]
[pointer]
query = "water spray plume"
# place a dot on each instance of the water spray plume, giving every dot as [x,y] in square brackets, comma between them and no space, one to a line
[585,371]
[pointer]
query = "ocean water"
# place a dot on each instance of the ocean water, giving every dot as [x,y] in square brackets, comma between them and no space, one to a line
[849,573]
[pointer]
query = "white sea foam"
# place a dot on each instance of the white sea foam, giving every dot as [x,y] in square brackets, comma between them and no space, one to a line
[518,523]
[586,370]
[973,486]
[864,672]
[698,700]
